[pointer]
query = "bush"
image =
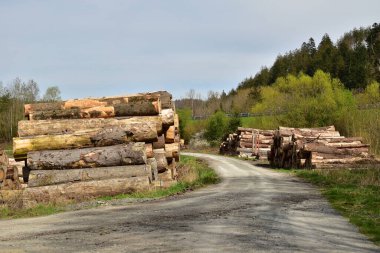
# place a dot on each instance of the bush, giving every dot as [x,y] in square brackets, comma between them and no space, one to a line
[305,101]
[218,126]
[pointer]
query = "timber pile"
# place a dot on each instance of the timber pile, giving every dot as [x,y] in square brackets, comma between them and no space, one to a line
[317,148]
[9,178]
[248,142]
[91,147]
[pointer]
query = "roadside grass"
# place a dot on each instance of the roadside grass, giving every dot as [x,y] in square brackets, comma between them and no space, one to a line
[193,173]
[355,193]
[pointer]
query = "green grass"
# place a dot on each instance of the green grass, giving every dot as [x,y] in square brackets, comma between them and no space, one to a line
[354,193]
[193,173]
[40,210]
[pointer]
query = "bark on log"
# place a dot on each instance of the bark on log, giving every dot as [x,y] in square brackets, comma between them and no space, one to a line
[160,143]
[84,190]
[127,154]
[51,177]
[165,97]
[167,116]
[4,160]
[94,112]
[149,150]
[89,138]
[172,150]
[153,164]
[93,102]
[170,134]
[162,162]
[67,126]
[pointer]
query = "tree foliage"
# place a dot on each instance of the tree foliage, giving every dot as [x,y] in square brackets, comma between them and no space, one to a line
[305,101]
[219,125]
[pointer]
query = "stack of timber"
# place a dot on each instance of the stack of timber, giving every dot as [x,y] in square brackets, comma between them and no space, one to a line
[248,142]
[254,142]
[9,174]
[91,147]
[322,147]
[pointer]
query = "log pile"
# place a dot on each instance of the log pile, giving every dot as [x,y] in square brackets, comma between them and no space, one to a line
[91,147]
[317,148]
[248,142]
[9,178]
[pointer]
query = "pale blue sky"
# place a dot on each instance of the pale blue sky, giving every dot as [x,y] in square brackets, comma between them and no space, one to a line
[100,48]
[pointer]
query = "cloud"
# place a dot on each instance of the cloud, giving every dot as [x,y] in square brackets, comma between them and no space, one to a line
[97,48]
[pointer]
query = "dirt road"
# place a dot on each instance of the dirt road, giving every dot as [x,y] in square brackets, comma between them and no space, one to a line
[252,210]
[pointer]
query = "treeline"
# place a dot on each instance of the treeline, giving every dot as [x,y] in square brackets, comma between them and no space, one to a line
[354,59]
[12,99]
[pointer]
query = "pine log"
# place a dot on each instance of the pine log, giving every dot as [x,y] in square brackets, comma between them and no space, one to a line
[51,177]
[93,102]
[149,150]
[160,143]
[3,171]
[172,150]
[84,190]
[10,180]
[82,139]
[4,160]
[126,154]
[153,164]
[165,97]
[67,126]
[167,116]
[162,162]
[170,134]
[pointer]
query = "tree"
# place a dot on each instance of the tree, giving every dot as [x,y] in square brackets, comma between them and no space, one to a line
[52,94]
[305,101]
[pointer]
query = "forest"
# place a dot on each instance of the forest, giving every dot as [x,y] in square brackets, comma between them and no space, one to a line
[12,99]
[332,83]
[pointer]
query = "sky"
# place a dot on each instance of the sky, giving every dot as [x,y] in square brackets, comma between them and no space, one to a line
[94,48]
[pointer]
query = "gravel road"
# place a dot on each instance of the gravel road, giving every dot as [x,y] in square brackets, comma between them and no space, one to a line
[252,210]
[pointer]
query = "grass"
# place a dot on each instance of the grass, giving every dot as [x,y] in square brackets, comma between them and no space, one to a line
[192,174]
[354,193]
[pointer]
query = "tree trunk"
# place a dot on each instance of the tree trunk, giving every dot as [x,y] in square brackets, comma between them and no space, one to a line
[4,160]
[167,117]
[67,126]
[172,150]
[170,134]
[51,177]
[76,113]
[84,190]
[149,150]
[160,143]
[87,103]
[153,164]
[162,162]
[127,154]
[88,138]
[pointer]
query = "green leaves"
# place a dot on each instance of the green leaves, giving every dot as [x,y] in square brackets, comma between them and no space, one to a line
[305,101]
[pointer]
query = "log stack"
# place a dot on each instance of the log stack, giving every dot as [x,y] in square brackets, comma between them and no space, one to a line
[9,178]
[91,147]
[317,148]
[248,142]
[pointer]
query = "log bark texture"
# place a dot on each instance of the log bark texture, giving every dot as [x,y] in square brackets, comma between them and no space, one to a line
[67,126]
[88,138]
[167,117]
[127,154]
[162,162]
[84,190]
[51,177]
[134,102]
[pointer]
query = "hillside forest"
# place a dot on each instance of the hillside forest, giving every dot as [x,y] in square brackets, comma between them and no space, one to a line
[332,83]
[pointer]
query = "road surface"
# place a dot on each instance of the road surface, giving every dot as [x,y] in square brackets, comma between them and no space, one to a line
[252,210]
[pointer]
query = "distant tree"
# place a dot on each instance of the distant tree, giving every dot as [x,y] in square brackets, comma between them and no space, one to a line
[52,94]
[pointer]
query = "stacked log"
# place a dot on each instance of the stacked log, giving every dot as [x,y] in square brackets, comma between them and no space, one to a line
[317,148]
[248,142]
[90,147]
[9,178]
[254,142]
